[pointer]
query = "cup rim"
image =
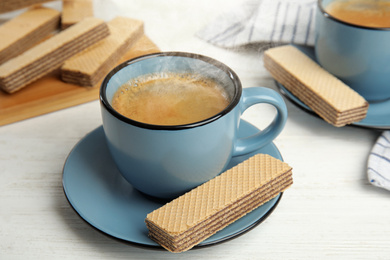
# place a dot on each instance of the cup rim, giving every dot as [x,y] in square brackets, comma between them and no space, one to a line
[232,75]
[327,15]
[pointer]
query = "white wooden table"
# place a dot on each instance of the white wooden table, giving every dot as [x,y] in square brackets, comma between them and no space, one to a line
[330,212]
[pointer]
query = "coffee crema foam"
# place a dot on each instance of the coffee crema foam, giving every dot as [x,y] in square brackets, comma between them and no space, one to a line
[367,13]
[170,99]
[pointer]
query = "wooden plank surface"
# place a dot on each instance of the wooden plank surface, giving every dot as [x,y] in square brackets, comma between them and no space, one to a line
[50,94]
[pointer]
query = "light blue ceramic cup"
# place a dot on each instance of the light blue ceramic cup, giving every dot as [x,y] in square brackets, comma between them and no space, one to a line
[358,55]
[167,161]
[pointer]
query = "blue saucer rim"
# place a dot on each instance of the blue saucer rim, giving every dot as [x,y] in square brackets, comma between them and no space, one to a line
[199,246]
[240,232]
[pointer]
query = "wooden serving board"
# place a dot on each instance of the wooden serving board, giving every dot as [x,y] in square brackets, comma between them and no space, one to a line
[50,94]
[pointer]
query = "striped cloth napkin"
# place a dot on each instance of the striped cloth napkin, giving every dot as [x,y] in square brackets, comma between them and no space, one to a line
[378,166]
[263,22]
[267,23]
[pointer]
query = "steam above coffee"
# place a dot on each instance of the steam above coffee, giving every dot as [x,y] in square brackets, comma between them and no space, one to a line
[170,99]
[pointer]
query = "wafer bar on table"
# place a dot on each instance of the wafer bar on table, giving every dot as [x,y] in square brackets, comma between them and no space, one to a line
[51,54]
[193,217]
[74,11]
[11,5]
[326,95]
[25,30]
[90,66]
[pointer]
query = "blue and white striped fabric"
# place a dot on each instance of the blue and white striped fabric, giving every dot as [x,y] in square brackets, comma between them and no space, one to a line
[378,167]
[264,22]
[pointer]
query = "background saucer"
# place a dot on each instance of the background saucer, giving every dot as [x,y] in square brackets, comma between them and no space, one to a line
[99,194]
[378,114]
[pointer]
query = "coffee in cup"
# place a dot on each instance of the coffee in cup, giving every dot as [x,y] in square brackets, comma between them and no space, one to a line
[361,12]
[167,159]
[170,99]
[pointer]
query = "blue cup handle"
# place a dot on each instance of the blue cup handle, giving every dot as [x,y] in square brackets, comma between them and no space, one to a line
[256,95]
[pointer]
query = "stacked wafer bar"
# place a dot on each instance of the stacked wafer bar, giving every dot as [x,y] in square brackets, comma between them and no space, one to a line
[326,95]
[25,30]
[51,54]
[188,220]
[11,5]
[90,66]
[74,11]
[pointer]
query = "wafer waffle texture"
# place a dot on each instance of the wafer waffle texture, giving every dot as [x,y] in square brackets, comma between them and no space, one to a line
[11,5]
[25,30]
[74,11]
[91,65]
[51,54]
[327,112]
[326,95]
[200,213]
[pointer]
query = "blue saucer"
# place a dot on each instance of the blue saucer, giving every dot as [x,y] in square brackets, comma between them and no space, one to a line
[99,194]
[378,114]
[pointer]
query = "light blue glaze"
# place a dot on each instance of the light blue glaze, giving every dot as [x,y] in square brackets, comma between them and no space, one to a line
[104,199]
[357,55]
[166,162]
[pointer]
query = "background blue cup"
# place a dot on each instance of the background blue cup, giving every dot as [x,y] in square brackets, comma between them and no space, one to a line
[167,161]
[358,55]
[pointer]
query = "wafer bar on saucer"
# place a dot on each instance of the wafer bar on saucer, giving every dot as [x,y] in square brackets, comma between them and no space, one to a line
[74,11]
[90,66]
[193,217]
[51,54]
[326,95]
[11,5]
[25,30]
